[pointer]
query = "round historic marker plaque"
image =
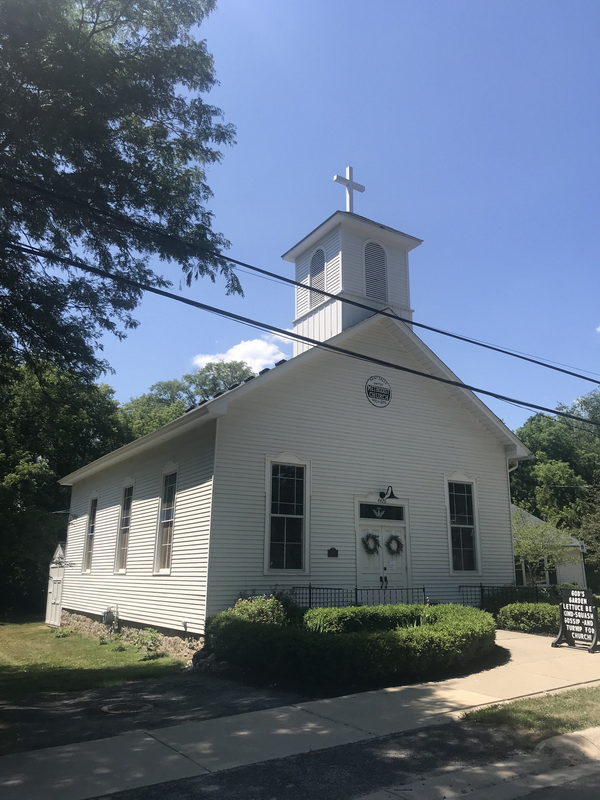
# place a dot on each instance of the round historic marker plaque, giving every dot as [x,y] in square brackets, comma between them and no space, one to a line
[378,391]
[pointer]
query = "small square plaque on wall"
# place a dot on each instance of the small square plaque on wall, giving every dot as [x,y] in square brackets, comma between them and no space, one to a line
[332,552]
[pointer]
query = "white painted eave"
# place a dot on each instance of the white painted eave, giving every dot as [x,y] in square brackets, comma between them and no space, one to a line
[353,221]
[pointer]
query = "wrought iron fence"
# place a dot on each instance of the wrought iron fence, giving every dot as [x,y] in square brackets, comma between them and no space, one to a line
[492,598]
[332,597]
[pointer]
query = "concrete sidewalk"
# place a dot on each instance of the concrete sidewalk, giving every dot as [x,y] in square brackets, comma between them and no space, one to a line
[144,758]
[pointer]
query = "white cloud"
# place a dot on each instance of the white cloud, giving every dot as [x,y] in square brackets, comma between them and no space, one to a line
[257,353]
[598,329]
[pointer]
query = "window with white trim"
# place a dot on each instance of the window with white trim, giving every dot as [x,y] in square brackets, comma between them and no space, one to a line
[462,526]
[544,575]
[287,513]
[88,545]
[317,276]
[164,544]
[124,525]
[375,272]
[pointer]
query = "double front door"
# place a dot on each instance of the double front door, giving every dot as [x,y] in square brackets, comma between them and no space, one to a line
[381,556]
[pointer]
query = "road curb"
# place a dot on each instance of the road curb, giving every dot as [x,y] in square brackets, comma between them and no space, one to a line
[577,746]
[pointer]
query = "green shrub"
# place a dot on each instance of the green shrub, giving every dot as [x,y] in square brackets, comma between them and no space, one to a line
[293,612]
[266,609]
[357,619]
[448,638]
[149,640]
[530,617]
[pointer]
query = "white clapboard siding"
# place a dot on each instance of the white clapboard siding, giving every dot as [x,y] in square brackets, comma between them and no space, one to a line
[318,411]
[321,323]
[176,600]
[330,245]
[396,256]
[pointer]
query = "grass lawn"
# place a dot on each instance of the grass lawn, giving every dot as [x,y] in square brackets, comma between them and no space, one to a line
[537,718]
[33,659]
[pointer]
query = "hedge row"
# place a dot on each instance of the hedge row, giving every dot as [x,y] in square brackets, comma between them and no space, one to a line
[366,619]
[447,639]
[530,617]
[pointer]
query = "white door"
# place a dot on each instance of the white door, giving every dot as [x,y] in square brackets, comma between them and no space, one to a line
[381,557]
[54,602]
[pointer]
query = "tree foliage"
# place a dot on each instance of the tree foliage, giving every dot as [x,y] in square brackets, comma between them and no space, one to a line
[562,482]
[566,464]
[540,545]
[100,102]
[50,424]
[167,400]
[589,531]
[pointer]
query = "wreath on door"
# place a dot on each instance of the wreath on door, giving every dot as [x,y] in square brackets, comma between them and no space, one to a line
[394,545]
[371,543]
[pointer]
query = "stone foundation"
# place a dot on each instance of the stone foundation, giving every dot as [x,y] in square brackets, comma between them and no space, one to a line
[175,645]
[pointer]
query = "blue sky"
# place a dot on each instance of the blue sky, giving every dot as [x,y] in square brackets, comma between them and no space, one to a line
[474,126]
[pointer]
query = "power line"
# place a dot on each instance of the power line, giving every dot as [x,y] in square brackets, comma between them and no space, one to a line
[199,250]
[46,254]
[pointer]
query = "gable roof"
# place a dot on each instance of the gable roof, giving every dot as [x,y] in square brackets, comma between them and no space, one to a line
[218,405]
[349,218]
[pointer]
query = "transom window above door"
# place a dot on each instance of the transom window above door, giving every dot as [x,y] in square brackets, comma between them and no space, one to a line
[381,511]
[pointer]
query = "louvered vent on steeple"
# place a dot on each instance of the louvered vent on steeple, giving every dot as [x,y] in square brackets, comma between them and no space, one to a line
[375,272]
[317,276]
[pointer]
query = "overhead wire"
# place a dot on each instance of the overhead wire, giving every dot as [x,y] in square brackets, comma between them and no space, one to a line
[200,250]
[328,346]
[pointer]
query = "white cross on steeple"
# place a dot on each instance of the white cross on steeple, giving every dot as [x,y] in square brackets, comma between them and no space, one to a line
[350,187]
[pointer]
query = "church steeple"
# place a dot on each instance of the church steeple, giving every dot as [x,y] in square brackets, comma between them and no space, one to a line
[349,256]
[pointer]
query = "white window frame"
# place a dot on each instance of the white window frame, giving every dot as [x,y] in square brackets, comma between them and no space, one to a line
[387,287]
[294,461]
[122,570]
[90,535]
[170,469]
[459,477]
[520,565]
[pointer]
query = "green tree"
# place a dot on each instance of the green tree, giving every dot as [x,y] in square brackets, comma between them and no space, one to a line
[566,462]
[589,531]
[167,400]
[559,493]
[50,424]
[100,102]
[215,377]
[540,545]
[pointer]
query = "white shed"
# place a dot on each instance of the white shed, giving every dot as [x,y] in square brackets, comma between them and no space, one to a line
[325,471]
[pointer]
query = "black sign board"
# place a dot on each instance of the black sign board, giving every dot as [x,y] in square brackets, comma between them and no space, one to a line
[381,511]
[578,620]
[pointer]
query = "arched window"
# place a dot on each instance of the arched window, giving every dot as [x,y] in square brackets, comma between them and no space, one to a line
[317,276]
[375,272]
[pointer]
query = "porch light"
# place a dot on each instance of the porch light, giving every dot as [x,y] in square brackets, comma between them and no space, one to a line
[388,494]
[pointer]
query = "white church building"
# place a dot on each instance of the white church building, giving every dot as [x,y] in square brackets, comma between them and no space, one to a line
[325,471]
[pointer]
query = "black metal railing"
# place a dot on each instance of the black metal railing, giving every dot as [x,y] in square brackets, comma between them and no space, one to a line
[492,598]
[333,597]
